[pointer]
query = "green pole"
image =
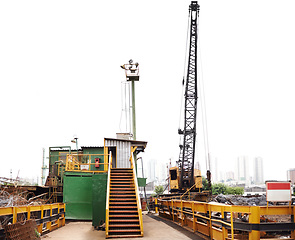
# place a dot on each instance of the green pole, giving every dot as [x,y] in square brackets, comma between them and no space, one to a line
[134,121]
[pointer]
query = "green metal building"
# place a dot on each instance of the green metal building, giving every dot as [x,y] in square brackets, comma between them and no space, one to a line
[79,177]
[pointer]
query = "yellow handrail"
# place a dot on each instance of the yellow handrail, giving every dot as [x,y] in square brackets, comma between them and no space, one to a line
[73,164]
[51,222]
[108,196]
[189,212]
[187,191]
[139,210]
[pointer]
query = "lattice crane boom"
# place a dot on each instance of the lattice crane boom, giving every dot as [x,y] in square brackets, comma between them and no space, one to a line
[187,148]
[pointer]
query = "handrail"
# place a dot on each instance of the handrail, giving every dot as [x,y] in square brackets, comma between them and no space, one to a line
[108,197]
[74,165]
[139,210]
[48,222]
[187,190]
[199,217]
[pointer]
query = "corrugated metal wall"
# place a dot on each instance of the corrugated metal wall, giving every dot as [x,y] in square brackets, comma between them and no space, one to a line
[123,152]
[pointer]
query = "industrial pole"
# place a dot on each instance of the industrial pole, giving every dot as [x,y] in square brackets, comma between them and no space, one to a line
[42,171]
[133,110]
[132,75]
[75,140]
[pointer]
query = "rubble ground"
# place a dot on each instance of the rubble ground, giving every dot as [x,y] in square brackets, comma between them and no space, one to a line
[257,200]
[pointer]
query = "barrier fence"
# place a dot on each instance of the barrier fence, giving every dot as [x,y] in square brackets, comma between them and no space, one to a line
[220,221]
[47,217]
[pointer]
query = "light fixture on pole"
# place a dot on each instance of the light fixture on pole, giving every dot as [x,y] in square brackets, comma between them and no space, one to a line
[75,140]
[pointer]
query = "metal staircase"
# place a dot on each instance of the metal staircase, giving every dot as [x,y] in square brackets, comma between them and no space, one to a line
[123,209]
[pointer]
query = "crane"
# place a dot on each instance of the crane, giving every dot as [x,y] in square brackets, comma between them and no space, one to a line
[184,176]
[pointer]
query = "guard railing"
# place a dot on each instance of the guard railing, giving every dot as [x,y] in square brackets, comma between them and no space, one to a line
[86,163]
[108,197]
[139,209]
[220,221]
[47,217]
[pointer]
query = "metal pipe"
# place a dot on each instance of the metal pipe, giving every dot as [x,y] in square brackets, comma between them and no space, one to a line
[133,110]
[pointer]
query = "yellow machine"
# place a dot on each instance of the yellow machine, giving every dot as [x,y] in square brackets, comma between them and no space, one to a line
[174,180]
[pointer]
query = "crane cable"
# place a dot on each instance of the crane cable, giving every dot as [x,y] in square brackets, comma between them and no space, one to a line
[203,105]
[184,74]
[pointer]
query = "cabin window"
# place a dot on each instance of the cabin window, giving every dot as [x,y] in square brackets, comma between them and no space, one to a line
[173,174]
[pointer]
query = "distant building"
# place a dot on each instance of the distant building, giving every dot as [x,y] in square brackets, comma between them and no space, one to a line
[151,170]
[291,175]
[161,173]
[258,177]
[242,170]
[229,176]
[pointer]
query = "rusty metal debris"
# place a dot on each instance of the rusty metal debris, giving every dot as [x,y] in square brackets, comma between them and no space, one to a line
[241,200]
[4,180]
[22,231]
[19,199]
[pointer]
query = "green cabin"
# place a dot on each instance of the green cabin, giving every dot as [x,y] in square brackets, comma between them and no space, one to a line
[78,177]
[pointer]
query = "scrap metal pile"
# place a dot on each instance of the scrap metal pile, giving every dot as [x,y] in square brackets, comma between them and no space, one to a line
[22,231]
[11,200]
[241,200]
[256,200]
[17,198]
[4,180]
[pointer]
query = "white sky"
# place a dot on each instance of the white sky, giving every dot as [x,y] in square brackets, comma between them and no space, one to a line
[60,75]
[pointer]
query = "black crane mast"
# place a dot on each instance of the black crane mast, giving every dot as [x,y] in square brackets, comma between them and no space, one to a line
[187,149]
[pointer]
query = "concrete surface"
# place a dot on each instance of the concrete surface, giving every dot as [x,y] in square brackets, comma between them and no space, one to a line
[153,227]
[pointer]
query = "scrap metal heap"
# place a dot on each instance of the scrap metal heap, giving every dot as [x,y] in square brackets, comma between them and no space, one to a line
[13,195]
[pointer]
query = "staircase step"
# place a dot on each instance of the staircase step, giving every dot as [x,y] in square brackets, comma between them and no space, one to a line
[124,230]
[123,207]
[121,174]
[124,220]
[121,189]
[122,179]
[123,203]
[123,199]
[117,186]
[123,169]
[123,195]
[124,225]
[122,211]
[125,216]
[125,236]
[122,192]
[121,182]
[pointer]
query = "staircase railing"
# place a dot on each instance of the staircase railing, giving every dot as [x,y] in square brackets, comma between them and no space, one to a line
[139,210]
[108,197]
[84,163]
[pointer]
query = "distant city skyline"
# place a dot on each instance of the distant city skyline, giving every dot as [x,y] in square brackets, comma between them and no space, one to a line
[258,176]
[242,169]
[245,170]
[237,173]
